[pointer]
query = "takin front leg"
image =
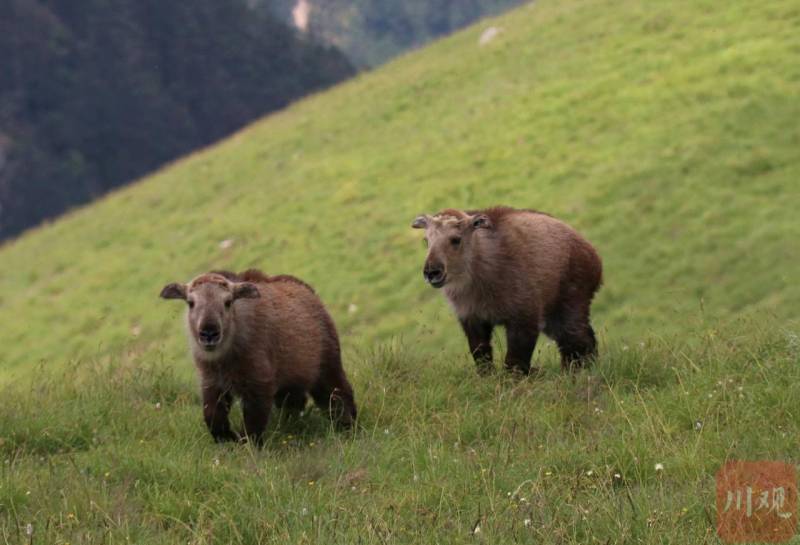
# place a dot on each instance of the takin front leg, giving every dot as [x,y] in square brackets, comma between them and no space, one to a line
[521,339]
[479,337]
[256,406]
[216,406]
[291,400]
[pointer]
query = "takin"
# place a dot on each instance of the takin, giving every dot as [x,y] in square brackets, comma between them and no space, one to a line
[265,340]
[522,269]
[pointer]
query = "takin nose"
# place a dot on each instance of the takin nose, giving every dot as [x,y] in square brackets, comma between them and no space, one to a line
[209,334]
[434,274]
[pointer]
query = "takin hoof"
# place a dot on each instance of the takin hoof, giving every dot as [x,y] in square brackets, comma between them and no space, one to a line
[575,365]
[522,372]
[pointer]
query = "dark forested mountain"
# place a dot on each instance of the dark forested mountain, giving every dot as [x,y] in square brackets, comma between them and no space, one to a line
[96,93]
[370,32]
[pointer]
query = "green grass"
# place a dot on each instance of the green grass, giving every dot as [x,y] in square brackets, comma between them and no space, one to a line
[121,454]
[668,134]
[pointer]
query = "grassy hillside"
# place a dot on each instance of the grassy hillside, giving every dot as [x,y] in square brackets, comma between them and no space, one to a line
[667,134]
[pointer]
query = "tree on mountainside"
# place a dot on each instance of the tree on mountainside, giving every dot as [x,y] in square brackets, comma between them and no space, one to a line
[95,94]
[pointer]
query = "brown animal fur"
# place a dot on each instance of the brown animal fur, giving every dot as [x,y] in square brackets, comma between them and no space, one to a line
[277,343]
[521,269]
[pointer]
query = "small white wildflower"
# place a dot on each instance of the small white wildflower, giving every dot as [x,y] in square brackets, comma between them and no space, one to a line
[29,529]
[793,340]
[416,477]
[659,467]
[216,462]
[158,406]
[617,476]
[352,308]
[527,523]
[225,244]
[304,511]
[477,529]
[624,347]
[698,425]
[589,473]
[386,431]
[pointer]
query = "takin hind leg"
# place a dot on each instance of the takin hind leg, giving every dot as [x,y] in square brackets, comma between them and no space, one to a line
[575,337]
[334,395]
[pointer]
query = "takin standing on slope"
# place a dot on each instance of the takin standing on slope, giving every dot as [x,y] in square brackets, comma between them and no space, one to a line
[521,269]
[263,339]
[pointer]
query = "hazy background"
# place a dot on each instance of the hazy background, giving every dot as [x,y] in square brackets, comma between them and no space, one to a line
[94,94]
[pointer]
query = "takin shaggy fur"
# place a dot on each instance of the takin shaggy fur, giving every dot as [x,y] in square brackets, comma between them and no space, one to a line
[264,339]
[521,269]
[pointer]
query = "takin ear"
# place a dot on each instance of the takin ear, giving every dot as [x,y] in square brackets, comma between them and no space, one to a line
[245,290]
[480,221]
[420,222]
[174,291]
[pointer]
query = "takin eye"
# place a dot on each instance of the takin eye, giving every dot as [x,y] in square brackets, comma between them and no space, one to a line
[190,303]
[455,241]
[228,303]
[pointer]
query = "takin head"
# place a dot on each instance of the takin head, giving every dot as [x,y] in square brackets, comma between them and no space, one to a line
[450,237]
[211,313]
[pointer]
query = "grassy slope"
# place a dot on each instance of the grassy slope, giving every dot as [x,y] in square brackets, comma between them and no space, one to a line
[668,135]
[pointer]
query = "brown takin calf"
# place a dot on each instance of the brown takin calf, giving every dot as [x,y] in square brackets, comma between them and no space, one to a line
[520,269]
[266,340]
